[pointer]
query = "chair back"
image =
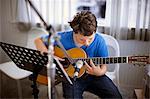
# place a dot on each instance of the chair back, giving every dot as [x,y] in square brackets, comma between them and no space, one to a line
[10,68]
[33,34]
[114,50]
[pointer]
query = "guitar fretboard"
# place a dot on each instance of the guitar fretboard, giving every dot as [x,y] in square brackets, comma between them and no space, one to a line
[105,60]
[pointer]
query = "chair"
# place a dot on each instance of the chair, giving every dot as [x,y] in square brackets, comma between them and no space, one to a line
[111,42]
[14,72]
[113,73]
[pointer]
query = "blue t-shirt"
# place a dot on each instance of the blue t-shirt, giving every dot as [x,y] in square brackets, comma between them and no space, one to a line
[97,48]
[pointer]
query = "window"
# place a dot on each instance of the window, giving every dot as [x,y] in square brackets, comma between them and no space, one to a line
[98,7]
[126,11]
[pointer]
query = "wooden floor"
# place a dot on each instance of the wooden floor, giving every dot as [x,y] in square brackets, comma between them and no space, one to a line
[9,90]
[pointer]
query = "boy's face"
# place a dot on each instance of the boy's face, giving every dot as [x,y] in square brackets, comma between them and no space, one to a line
[84,40]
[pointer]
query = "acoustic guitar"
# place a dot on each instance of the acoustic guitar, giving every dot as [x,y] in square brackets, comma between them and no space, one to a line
[79,54]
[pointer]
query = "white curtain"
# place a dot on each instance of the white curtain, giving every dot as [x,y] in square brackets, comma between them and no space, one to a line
[25,13]
[130,19]
[21,15]
[55,12]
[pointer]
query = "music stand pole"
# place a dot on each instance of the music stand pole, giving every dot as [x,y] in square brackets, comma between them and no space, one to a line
[33,78]
[51,66]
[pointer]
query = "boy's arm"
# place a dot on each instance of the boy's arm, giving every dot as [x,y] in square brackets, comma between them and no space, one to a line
[40,45]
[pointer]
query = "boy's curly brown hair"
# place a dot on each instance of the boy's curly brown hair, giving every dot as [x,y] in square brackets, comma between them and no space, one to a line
[84,22]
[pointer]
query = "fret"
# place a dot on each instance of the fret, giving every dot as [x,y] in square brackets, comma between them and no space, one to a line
[82,59]
[119,59]
[97,61]
[115,59]
[101,61]
[124,59]
[111,60]
[88,60]
[104,61]
[107,60]
[94,60]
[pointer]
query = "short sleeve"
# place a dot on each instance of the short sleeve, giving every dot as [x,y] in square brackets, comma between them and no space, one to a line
[102,49]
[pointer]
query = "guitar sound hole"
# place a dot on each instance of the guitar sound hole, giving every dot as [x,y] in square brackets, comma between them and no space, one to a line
[65,63]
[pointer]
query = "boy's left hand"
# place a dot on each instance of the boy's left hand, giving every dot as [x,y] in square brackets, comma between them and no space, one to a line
[92,69]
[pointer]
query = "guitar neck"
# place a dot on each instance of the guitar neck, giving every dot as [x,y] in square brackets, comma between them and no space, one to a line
[106,60]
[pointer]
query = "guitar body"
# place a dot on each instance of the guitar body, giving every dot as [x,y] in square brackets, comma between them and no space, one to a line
[73,53]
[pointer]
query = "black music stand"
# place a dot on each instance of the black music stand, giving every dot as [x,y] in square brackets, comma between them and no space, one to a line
[33,61]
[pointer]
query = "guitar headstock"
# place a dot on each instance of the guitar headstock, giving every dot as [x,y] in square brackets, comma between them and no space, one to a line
[140,60]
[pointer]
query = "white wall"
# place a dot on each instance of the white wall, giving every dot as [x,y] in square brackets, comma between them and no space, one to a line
[10,33]
[130,75]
